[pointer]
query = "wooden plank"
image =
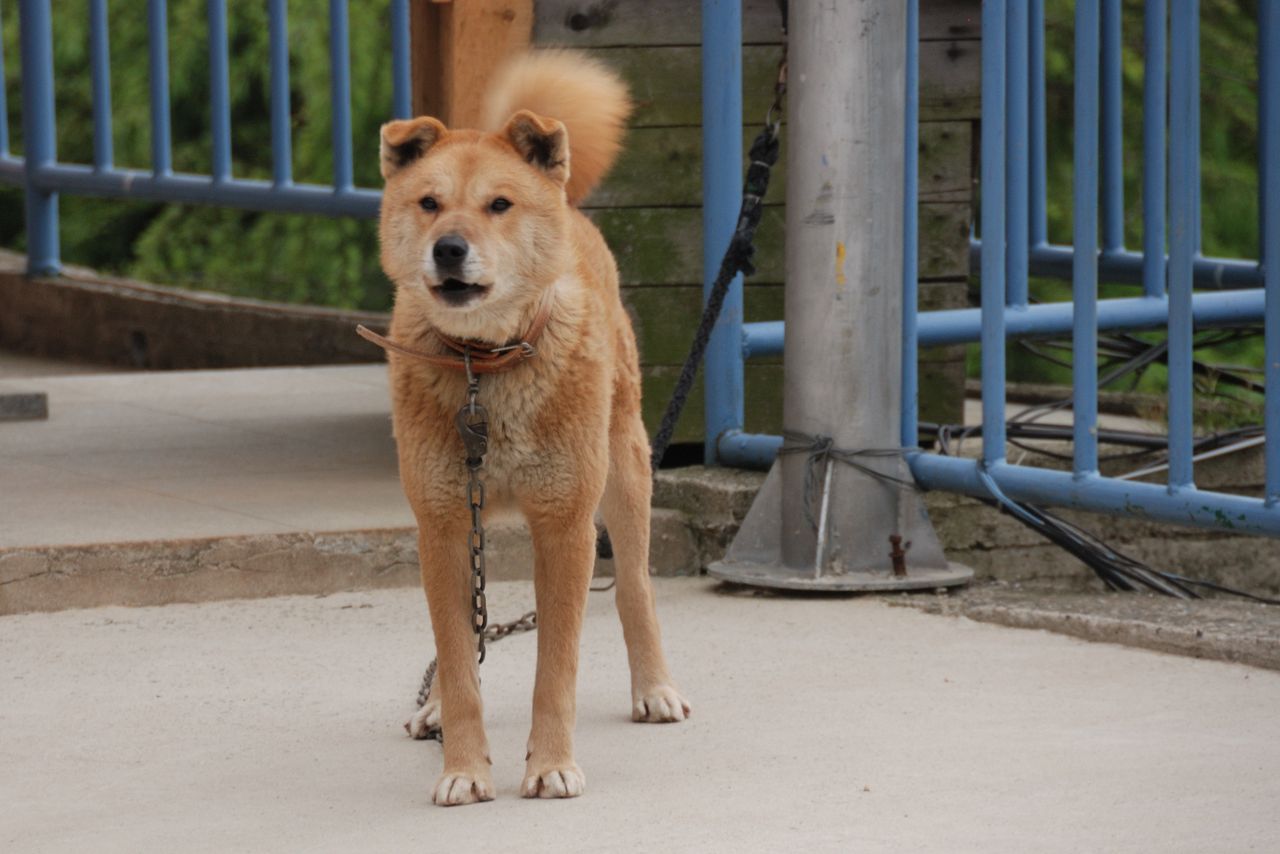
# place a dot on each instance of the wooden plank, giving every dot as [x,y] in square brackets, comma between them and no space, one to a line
[660,167]
[946,161]
[951,19]
[665,318]
[663,246]
[461,45]
[944,240]
[951,80]
[611,23]
[762,401]
[666,82]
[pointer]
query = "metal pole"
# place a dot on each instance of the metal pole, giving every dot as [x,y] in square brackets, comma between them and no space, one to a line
[721,198]
[843,302]
[40,143]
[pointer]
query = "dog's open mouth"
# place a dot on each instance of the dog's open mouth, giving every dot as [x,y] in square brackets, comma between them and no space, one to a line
[456,292]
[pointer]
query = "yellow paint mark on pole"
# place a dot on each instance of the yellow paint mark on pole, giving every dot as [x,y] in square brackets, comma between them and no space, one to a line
[840,254]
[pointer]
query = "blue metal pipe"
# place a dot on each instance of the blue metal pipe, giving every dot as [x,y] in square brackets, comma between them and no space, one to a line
[340,94]
[909,401]
[721,191]
[1114,497]
[750,450]
[993,231]
[1112,129]
[963,325]
[281,129]
[1184,154]
[39,134]
[1269,224]
[1017,183]
[1037,186]
[198,189]
[1084,280]
[1126,267]
[1111,496]
[1154,111]
[219,86]
[401,85]
[158,53]
[100,76]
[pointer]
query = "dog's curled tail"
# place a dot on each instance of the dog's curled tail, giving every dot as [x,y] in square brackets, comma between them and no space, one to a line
[584,94]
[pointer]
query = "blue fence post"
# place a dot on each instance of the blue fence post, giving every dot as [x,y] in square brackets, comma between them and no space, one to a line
[1038,188]
[158,51]
[1184,177]
[100,72]
[1017,185]
[39,135]
[993,231]
[1112,130]
[401,88]
[721,199]
[340,95]
[1154,171]
[1269,225]
[219,96]
[1084,279]
[281,123]
[4,102]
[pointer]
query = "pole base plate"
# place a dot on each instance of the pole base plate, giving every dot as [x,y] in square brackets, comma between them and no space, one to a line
[779,577]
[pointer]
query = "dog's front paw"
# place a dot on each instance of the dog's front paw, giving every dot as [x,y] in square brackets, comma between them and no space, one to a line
[426,721]
[557,781]
[455,788]
[659,704]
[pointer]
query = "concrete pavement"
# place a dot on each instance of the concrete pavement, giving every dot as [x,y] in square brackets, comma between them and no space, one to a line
[819,725]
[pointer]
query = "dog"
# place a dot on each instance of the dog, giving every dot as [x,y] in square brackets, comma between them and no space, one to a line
[481,234]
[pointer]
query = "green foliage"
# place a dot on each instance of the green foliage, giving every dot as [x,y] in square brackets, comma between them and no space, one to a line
[276,256]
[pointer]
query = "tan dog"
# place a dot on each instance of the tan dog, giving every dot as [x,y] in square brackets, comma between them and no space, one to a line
[479,232]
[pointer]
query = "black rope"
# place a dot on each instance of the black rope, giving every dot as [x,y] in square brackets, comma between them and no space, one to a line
[822,450]
[737,259]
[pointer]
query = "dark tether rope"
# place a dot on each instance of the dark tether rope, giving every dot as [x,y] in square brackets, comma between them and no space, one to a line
[737,259]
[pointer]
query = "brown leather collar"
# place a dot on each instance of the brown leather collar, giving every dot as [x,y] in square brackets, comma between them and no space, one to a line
[485,358]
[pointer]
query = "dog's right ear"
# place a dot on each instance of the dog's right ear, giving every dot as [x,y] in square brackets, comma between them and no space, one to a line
[406,140]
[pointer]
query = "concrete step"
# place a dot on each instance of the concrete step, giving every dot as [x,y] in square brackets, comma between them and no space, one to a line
[151,488]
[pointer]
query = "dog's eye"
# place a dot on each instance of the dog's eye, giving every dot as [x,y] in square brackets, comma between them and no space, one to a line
[500,204]
[429,203]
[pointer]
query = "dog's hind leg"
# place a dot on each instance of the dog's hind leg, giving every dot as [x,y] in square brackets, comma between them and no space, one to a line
[626,514]
[447,581]
[564,546]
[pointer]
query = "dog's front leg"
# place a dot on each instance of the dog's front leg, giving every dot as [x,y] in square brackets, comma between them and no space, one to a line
[563,560]
[446,577]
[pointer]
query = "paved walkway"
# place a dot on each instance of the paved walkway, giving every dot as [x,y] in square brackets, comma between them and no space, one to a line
[819,725]
[137,456]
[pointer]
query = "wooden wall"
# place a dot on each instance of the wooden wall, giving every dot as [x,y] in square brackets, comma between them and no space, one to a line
[649,209]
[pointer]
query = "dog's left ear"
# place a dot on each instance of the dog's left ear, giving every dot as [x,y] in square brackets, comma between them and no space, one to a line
[542,142]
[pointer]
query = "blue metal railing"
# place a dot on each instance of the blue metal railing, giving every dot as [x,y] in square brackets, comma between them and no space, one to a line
[44,177]
[1015,246]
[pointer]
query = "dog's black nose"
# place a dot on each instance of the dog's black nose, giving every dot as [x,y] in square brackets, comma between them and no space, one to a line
[450,251]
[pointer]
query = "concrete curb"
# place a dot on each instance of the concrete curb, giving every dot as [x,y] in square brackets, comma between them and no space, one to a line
[167,571]
[1223,630]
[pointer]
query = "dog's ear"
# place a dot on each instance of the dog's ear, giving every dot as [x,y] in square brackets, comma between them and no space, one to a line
[406,140]
[542,142]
